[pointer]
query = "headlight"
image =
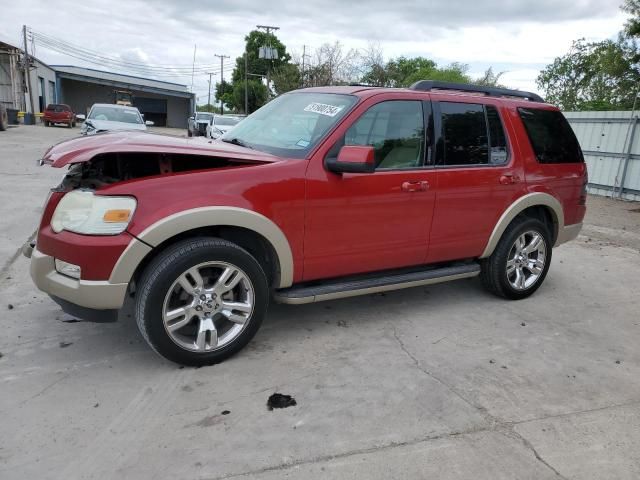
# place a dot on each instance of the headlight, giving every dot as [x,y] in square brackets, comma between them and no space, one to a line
[83,212]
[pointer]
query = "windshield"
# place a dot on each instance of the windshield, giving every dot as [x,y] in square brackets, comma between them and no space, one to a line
[291,125]
[205,117]
[115,114]
[226,121]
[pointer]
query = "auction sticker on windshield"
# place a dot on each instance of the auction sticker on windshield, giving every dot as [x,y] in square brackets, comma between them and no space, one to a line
[323,109]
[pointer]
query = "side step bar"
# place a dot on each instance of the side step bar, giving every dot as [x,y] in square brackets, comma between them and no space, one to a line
[342,288]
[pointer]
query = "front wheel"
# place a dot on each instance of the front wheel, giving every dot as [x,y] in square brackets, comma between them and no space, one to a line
[201,301]
[521,260]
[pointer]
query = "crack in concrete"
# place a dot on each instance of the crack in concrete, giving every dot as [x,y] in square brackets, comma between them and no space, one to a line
[494,424]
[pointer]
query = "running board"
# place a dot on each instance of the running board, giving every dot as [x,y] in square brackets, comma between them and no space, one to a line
[342,288]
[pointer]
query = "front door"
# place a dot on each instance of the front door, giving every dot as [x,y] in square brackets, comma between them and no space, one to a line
[373,221]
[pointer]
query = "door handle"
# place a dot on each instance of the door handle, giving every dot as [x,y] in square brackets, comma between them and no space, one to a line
[509,178]
[420,186]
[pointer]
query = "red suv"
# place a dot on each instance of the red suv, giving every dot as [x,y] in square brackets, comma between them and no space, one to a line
[323,193]
[59,113]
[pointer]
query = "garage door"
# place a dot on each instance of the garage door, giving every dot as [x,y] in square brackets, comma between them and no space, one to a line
[154,109]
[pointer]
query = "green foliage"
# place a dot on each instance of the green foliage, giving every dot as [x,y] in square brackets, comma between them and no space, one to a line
[256,98]
[208,108]
[632,26]
[224,92]
[402,72]
[285,78]
[592,76]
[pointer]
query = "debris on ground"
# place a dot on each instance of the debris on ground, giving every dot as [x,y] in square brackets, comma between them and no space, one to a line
[278,400]
[1,355]
[71,320]
[65,344]
[10,307]
[618,362]
[492,361]
[342,323]
[523,324]
[225,412]
[96,405]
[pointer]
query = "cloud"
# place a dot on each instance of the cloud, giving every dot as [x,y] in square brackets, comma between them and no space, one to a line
[520,36]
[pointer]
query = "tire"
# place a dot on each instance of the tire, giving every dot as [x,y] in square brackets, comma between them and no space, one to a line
[207,330]
[189,134]
[70,124]
[525,272]
[73,125]
[46,123]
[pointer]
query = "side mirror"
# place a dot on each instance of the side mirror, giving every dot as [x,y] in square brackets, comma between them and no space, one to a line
[81,117]
[352,159]
[149,123]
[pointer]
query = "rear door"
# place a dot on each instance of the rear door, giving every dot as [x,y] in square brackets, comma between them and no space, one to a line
[373,221]
[478,177]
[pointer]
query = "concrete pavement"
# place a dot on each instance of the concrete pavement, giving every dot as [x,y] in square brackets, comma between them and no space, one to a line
[444,381]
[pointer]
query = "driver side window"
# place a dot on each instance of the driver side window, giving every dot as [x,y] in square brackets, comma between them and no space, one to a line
[395,129]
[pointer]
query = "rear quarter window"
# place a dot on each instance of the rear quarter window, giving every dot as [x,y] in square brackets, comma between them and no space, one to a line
[551,136]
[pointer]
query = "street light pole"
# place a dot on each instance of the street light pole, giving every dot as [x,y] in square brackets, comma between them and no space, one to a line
[268,29]
[209,95]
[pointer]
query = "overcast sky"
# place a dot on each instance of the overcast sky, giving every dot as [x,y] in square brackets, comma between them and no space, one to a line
[517,36]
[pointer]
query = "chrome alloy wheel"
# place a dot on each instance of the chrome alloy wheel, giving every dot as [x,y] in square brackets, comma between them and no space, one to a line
[526,260]
[208,306]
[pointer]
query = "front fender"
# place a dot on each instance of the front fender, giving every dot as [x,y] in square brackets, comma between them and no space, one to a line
[192,219]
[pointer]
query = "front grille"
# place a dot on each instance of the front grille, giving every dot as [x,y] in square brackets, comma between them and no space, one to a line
[202,128]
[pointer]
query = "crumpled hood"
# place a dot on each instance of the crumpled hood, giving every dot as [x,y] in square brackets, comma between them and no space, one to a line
[84,149]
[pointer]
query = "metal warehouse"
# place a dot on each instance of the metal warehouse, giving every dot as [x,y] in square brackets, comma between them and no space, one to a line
[165,103]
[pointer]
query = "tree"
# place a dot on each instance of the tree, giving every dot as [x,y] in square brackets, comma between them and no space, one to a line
[285,78]
[592,76]
[256,66]
[224,93]
[490,79]
[632,26]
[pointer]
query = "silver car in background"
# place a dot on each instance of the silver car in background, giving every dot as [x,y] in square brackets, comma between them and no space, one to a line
[221,124]
[106,117]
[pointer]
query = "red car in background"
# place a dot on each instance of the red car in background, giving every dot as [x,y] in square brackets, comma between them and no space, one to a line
[59,113]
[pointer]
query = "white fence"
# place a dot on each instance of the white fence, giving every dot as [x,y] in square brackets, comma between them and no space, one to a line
[611,145]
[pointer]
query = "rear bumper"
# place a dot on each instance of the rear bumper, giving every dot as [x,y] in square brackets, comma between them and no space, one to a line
[568,233]
[93,294]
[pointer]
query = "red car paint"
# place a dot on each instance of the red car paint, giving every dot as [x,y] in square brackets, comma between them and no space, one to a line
[58,113]
[335,224]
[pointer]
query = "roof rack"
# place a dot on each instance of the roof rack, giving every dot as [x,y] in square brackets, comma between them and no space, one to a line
[428,85]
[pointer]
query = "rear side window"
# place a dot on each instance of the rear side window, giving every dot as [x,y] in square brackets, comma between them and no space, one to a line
[471,134]
[551,136]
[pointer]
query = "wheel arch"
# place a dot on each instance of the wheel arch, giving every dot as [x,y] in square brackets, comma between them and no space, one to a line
[539,205]
[250,230]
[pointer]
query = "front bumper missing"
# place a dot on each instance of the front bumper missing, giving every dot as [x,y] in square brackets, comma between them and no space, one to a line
[92,294]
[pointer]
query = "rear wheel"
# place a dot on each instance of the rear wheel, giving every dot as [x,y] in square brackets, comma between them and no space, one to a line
[521,260]
[201,301]
[189,134]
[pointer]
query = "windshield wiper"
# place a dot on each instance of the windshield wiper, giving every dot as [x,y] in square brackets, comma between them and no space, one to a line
[237,141]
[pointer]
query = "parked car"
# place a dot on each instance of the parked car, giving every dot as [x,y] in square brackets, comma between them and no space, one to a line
[197,125]
[56,113]
[104,117]
[221,124]
[323,193]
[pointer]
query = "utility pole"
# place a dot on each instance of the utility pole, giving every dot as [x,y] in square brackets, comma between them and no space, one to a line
[222,57]
[246,82]
[209,95]
[268,29]
[27,68]
[304,55]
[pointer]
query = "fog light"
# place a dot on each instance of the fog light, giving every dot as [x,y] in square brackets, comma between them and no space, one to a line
[68,269]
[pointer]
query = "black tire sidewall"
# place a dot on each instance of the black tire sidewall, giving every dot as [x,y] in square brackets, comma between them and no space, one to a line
[163,271]
[504,247]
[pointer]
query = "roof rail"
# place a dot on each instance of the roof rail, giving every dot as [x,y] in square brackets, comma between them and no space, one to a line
[428,85]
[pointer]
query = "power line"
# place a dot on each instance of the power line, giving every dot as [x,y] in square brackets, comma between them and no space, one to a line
[97,58]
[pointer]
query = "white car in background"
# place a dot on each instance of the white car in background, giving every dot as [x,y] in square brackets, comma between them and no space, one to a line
[106,117]
[221,124]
